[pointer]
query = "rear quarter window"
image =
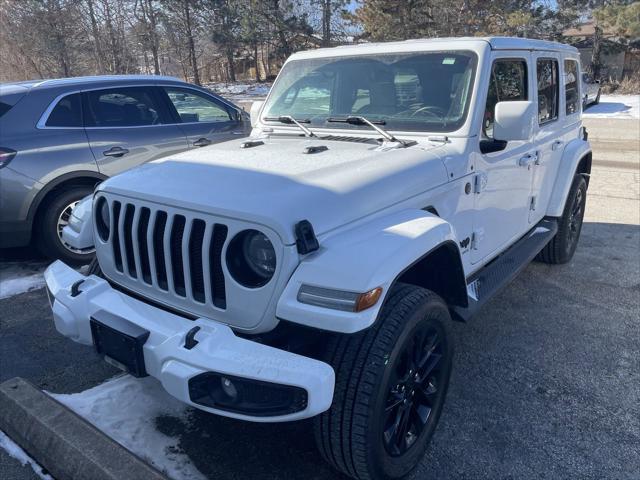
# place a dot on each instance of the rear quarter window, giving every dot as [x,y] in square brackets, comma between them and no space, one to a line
[66,113]
[4,108]
[572,87]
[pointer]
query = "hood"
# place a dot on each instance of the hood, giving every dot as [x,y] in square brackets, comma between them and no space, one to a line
[278,185]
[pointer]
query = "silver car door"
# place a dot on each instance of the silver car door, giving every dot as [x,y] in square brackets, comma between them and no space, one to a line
[204,118]
[128,126]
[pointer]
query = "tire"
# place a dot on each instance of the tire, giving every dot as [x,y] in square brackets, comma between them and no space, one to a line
[563,245]
[51,218]
[597,100]
[369,396]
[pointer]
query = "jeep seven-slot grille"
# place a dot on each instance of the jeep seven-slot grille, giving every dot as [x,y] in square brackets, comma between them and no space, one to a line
[170,251]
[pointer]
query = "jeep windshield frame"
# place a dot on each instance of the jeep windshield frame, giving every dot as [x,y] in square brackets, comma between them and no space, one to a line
[426,91]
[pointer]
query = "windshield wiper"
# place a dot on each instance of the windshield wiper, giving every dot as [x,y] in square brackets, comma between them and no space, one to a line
[289,120]
[360,120]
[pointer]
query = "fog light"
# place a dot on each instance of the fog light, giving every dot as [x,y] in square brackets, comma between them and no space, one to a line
[229,389]
[246,396]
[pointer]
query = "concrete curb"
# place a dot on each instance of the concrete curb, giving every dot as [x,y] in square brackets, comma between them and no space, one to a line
[65,444]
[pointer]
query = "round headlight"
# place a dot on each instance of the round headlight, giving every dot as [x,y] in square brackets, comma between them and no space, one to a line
[102,218]
[251,258]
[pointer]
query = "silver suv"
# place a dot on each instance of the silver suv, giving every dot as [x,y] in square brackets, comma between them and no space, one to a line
[59,138]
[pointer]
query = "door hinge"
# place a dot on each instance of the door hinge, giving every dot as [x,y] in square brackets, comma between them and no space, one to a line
[476,239]
[479,182]
[532,204]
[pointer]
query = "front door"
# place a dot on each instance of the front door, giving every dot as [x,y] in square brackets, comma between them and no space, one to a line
[203,118]
[504,170]
[128,126]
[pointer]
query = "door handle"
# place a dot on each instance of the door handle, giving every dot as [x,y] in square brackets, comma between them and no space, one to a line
[115,152]
[528,160]
[202,142]
[557,144]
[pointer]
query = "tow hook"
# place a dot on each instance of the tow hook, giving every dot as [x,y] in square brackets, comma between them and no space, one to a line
[190,339]
[75,288]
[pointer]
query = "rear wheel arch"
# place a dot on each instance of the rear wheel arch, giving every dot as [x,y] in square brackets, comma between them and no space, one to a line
[440,270]
[584,167]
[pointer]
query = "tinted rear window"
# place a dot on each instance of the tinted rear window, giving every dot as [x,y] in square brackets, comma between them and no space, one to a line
[122,107]
[4,108]
[66,113]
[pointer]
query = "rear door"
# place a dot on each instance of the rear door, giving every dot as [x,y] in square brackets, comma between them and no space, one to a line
[128,126]
[203,118]
[551,128]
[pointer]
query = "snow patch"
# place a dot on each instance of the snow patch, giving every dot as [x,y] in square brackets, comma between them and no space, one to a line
[19,276]
[23,283]
[241,94]
[14,450]
[16,278]
[126,408]
[245,89]
[615,106]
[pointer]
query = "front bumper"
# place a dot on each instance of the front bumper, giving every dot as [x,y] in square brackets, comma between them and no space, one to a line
[218,349]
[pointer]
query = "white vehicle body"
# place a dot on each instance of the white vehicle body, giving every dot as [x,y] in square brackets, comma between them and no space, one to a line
[380,211]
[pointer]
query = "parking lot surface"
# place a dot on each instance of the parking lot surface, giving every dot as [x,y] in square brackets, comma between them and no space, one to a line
[546,380]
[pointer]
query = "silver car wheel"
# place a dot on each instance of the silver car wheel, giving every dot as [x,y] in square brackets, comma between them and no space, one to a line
[63,221]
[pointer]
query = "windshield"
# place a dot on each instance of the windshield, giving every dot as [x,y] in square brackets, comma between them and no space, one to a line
[405,92]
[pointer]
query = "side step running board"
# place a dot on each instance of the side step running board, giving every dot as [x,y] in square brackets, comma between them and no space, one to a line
[487,282]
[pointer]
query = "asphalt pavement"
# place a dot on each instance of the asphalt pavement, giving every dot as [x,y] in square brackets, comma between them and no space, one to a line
[546,380]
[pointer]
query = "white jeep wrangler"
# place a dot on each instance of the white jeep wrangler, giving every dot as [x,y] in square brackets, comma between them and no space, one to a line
[312,269]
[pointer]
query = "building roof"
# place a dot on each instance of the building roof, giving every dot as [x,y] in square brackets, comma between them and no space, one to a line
[585,29]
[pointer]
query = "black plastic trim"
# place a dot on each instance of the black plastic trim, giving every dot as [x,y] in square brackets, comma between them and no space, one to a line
[496,275]
[306,240]
[201,392]
[121,340]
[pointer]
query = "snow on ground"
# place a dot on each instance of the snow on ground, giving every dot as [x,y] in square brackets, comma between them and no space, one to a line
[126,409]
[14,450]
[23,276]
[242,94]
[20,277]
[615,106]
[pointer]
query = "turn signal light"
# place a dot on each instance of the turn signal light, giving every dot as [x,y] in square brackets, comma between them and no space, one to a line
[368,299]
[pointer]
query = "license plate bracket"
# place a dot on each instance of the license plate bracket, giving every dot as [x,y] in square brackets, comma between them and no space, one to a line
[116,338]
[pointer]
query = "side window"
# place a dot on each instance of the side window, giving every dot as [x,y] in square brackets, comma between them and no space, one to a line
[547,90]
[195,107]
[122,107]
[571,87]
[67,112]
[508,83]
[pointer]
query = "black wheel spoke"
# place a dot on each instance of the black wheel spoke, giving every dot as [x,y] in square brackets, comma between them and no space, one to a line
[413,392]
[422,413]
[394,402]
[429,366]
[395,433]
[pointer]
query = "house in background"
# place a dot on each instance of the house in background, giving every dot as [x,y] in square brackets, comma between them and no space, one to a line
[620,57]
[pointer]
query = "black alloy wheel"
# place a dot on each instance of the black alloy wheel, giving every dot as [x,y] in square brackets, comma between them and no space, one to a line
[415,389]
